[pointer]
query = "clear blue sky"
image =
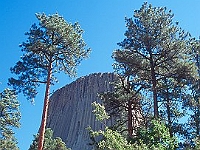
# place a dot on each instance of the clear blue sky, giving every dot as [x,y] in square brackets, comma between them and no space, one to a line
[104,26]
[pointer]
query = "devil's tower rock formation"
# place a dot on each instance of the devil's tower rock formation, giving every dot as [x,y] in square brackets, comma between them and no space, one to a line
[70,110]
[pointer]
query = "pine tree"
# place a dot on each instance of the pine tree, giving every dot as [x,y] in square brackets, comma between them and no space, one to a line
[51,47]
[155,136]
[158,57]
[50,143]
[196,96]
[124,104]
[9,119]
[154,50]
[192,103]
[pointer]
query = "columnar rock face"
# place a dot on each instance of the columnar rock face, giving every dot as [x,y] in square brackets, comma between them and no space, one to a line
[70,110]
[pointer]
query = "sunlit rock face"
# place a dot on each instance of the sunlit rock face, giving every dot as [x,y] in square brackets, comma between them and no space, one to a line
[70,110]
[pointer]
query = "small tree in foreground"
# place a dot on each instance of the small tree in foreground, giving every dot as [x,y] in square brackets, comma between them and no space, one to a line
[156,136]
[124,104]
[110,138]
[52,46]
[9,119]
[50,143]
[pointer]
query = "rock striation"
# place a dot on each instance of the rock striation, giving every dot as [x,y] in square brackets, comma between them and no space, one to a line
[70,110]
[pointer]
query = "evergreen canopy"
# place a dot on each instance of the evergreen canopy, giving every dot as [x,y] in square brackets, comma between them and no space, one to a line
[53,42]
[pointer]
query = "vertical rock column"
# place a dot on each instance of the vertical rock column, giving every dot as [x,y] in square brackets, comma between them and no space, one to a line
[70,110]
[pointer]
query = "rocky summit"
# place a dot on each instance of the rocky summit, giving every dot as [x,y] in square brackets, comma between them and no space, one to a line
[70,109]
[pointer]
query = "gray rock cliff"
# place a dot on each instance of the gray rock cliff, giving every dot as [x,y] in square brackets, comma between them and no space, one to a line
[70,110]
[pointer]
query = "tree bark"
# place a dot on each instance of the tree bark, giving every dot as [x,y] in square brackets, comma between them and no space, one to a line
[45,109]
[154,89]
[169,113]
[130,119]
[197,116]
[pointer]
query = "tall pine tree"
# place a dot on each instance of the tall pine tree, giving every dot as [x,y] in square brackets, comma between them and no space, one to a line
[51,47]
[193,102]
[154,50]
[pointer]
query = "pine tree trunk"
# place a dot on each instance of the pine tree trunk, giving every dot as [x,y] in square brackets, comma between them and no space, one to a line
[153,78]
[169,115]
[197,117]
[45,109]
[168,109]
[130,119]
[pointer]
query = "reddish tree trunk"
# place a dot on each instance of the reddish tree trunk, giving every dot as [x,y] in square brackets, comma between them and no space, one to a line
[45,109]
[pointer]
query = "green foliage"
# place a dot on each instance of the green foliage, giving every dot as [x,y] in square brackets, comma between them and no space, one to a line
[155,49]
[159,64]
[192,103]
[50,143]
[118,99]
[156,136]
[9,119]
[158,56]
[112,140]
[53,43]
[123,103]
[197,142]
[51,47]
[99,111]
